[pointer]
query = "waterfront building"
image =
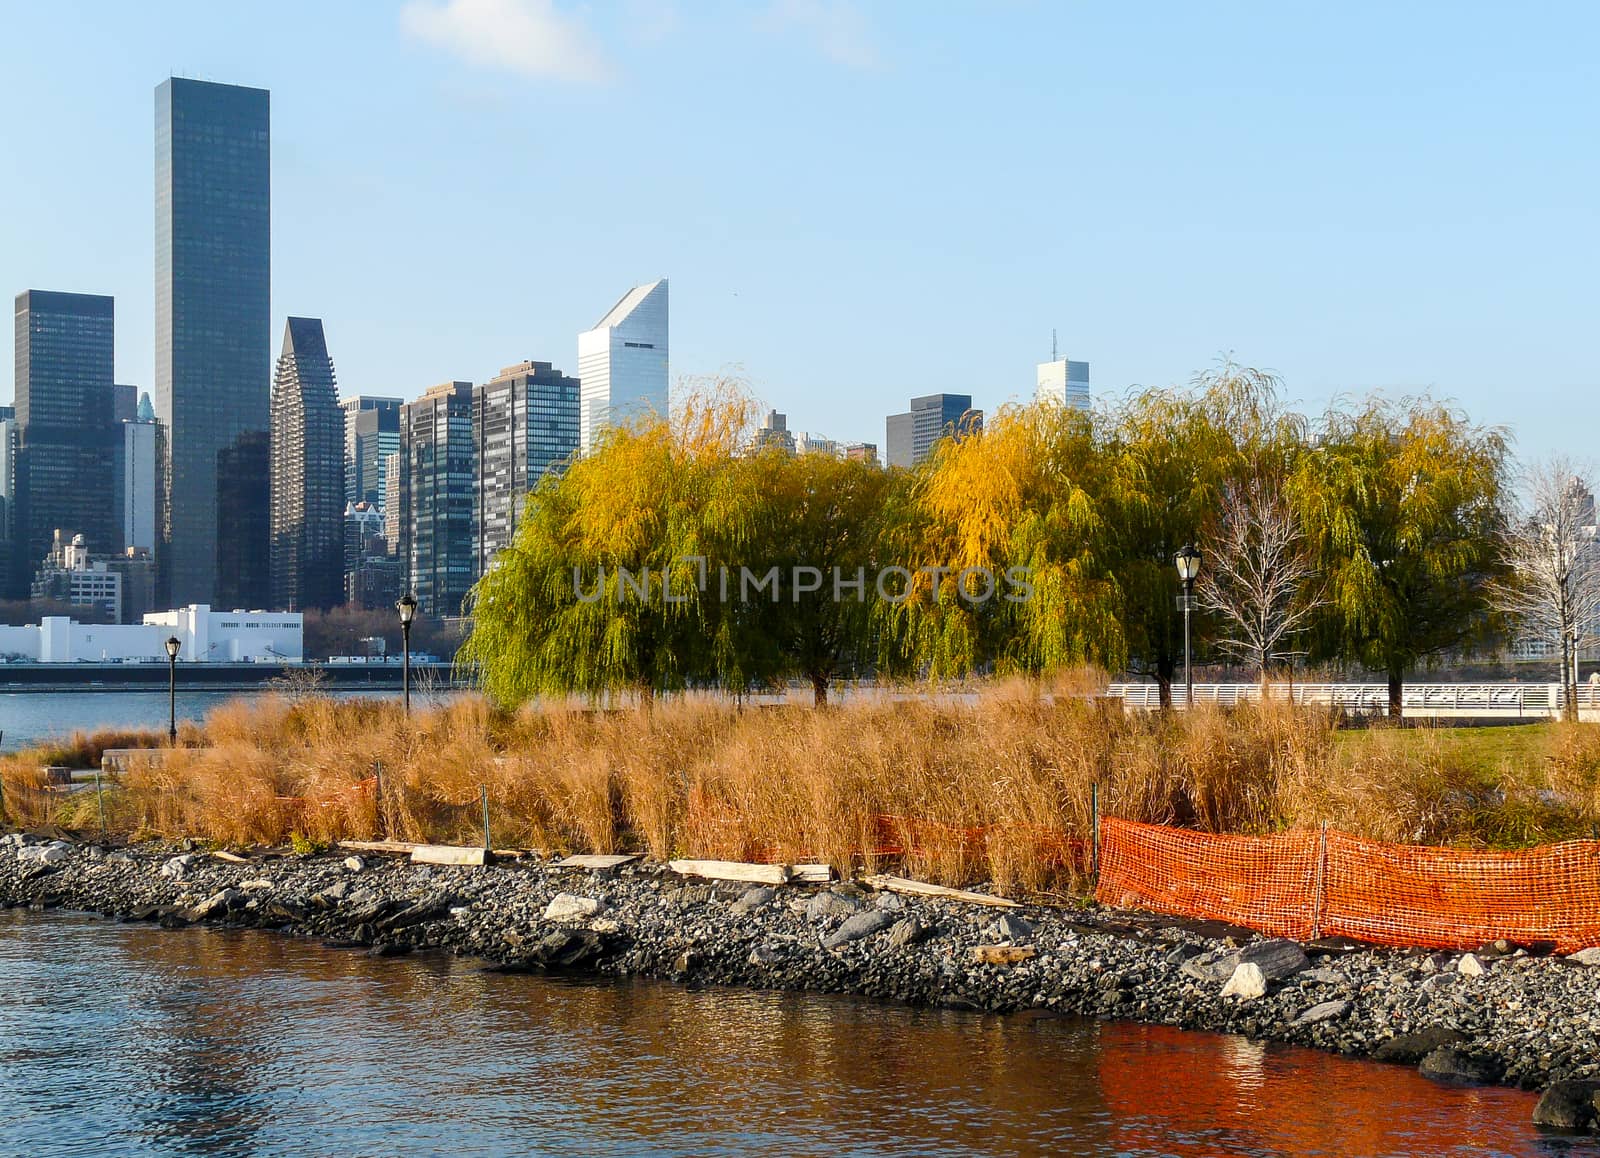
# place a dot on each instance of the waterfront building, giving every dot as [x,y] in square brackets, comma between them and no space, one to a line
[622,362]
[438,471]
[307,473]
[524,426]
[65,436]
[1063,382]
[912,435]
[774,432]
[213,336]
[371,433]
[204,636]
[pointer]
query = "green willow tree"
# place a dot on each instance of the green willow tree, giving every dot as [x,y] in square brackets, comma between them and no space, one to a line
[1403,507]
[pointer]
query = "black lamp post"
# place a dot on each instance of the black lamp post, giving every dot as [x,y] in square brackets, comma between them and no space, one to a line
[1188,561]
[408,611]
[173,644]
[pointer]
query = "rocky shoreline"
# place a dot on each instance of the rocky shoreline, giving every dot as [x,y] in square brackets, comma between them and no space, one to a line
[1501,1015]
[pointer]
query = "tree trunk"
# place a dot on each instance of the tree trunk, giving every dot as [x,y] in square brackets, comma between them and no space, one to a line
[1397,683]
[819,690]
[1164,686]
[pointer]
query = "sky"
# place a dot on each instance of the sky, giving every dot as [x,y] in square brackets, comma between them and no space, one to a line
[859,202]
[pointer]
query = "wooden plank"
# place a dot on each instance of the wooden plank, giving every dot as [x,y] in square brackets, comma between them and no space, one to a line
[400,846]
[923,889]
[231,858]
[732,870]
[448,854]
[1003,954]
[810,874]
[595,861]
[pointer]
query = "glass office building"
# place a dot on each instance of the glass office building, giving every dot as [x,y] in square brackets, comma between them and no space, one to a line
[437,475]
[623,362]
[524,424]
[912,435]
[307,474]
[371,433]
[213,336]
[66,439]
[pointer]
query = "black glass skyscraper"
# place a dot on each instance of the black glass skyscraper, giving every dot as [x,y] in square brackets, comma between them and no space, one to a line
[65,433]
[437,470]
[307,473]
[213,339]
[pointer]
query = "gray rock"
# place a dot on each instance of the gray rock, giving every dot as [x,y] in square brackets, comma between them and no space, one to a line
[1181,953]
[859,926]
[567,907]
[1411,1048]
[764,955]
[1568,1105]
[216,904]
[825,905]
[354,863]
[1470,966]
[1007,927]
[1247,982]
[177,867]
[120,858]
[1216,965]
[908,931]
[1276,959]
[43,854]
[890,902]
[1323,1011]
[1452,1066]
[1589,956]
[756,897]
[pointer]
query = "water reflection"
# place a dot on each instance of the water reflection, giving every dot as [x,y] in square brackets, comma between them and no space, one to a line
[131,1040]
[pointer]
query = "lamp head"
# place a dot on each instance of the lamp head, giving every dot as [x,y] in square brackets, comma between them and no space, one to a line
[407,606]
[1188,561]
[173,644]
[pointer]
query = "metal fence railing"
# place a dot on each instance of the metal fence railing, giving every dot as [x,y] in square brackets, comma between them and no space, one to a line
[1440,701]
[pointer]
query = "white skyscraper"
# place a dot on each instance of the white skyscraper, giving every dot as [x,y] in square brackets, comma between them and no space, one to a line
[622,362]
[1064,382]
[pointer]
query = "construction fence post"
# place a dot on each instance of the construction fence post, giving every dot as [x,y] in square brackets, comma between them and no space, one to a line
[1094,834]
[483,795]
[100,801]
[1319,879]
[382,818]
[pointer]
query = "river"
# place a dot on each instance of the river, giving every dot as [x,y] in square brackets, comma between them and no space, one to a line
[131,1040]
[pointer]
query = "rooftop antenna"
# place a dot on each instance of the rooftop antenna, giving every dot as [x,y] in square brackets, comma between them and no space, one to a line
[1053,355]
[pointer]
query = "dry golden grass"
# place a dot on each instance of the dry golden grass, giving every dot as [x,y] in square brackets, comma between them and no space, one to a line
[996,789]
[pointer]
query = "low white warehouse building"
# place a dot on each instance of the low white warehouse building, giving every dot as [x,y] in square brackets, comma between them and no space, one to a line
[203,636]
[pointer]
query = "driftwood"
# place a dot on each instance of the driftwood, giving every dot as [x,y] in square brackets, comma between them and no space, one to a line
[449,854]
[595,861]
[923,889]
[1003,954]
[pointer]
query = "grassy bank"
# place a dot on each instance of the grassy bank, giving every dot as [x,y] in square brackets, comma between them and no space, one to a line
[997,790]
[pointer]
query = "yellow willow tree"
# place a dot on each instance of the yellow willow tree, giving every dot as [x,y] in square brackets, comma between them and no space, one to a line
[1403,506]
[1001,534]
[603,589]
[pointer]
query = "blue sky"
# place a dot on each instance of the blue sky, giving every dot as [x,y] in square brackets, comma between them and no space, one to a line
[859,202]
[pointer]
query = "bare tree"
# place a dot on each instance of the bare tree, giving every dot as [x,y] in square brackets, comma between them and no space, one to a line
[1256,573]
[1553,589]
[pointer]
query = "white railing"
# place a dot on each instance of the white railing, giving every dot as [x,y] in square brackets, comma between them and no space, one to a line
[1439,701]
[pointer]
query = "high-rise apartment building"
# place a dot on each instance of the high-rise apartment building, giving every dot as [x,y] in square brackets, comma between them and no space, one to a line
[911,436]
[524,425]
[1064,383]
[307,473]
[213,336]
[622,362]
[391,502]
[774,433]
[66,439]
[371,431]
[438,469]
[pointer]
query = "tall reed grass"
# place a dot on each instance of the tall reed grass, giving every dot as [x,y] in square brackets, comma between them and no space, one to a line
[997,790]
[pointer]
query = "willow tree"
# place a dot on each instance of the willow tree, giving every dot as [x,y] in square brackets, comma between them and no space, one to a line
[1000,536]
[602,590]
[1402,505]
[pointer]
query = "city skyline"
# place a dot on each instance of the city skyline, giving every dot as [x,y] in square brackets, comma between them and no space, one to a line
[1331,234]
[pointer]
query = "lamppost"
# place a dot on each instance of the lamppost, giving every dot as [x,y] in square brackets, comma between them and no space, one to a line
[173,644]
[1188,561]
[408,611]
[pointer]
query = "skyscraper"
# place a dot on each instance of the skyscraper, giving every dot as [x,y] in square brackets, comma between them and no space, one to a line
[307,473]
[911,436]
[213,281]
[66,440]
[1064,383]
[623,361]
[371,431]
[136,479]
[437,471]
[524,423]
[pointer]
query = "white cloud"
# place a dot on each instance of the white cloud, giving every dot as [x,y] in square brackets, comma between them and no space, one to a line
[530,37]
[837,26]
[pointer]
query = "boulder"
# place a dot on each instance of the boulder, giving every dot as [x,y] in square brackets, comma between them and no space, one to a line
[1247,982]
[354,863]
[755,897]
[567,907]
[1276,959]
[216,905]
[47,854]
[1452,1066]
[567,949]
[1322,1011]
[859,926]
[1411,1048]
[764,955]
[1568,1105]
[831,904]
[1010,929]
[1470,966]
[176,867]
[908,931]
[1589,956]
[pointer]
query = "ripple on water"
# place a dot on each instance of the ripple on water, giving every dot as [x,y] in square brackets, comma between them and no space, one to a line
[124,1039]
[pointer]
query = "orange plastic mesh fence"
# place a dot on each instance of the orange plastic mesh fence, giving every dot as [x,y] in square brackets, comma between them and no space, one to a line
[1302,885]
[1451,898]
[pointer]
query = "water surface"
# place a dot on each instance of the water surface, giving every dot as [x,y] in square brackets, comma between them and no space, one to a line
[125,1039]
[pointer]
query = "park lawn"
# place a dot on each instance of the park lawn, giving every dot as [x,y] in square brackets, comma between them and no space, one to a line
[1484,750]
